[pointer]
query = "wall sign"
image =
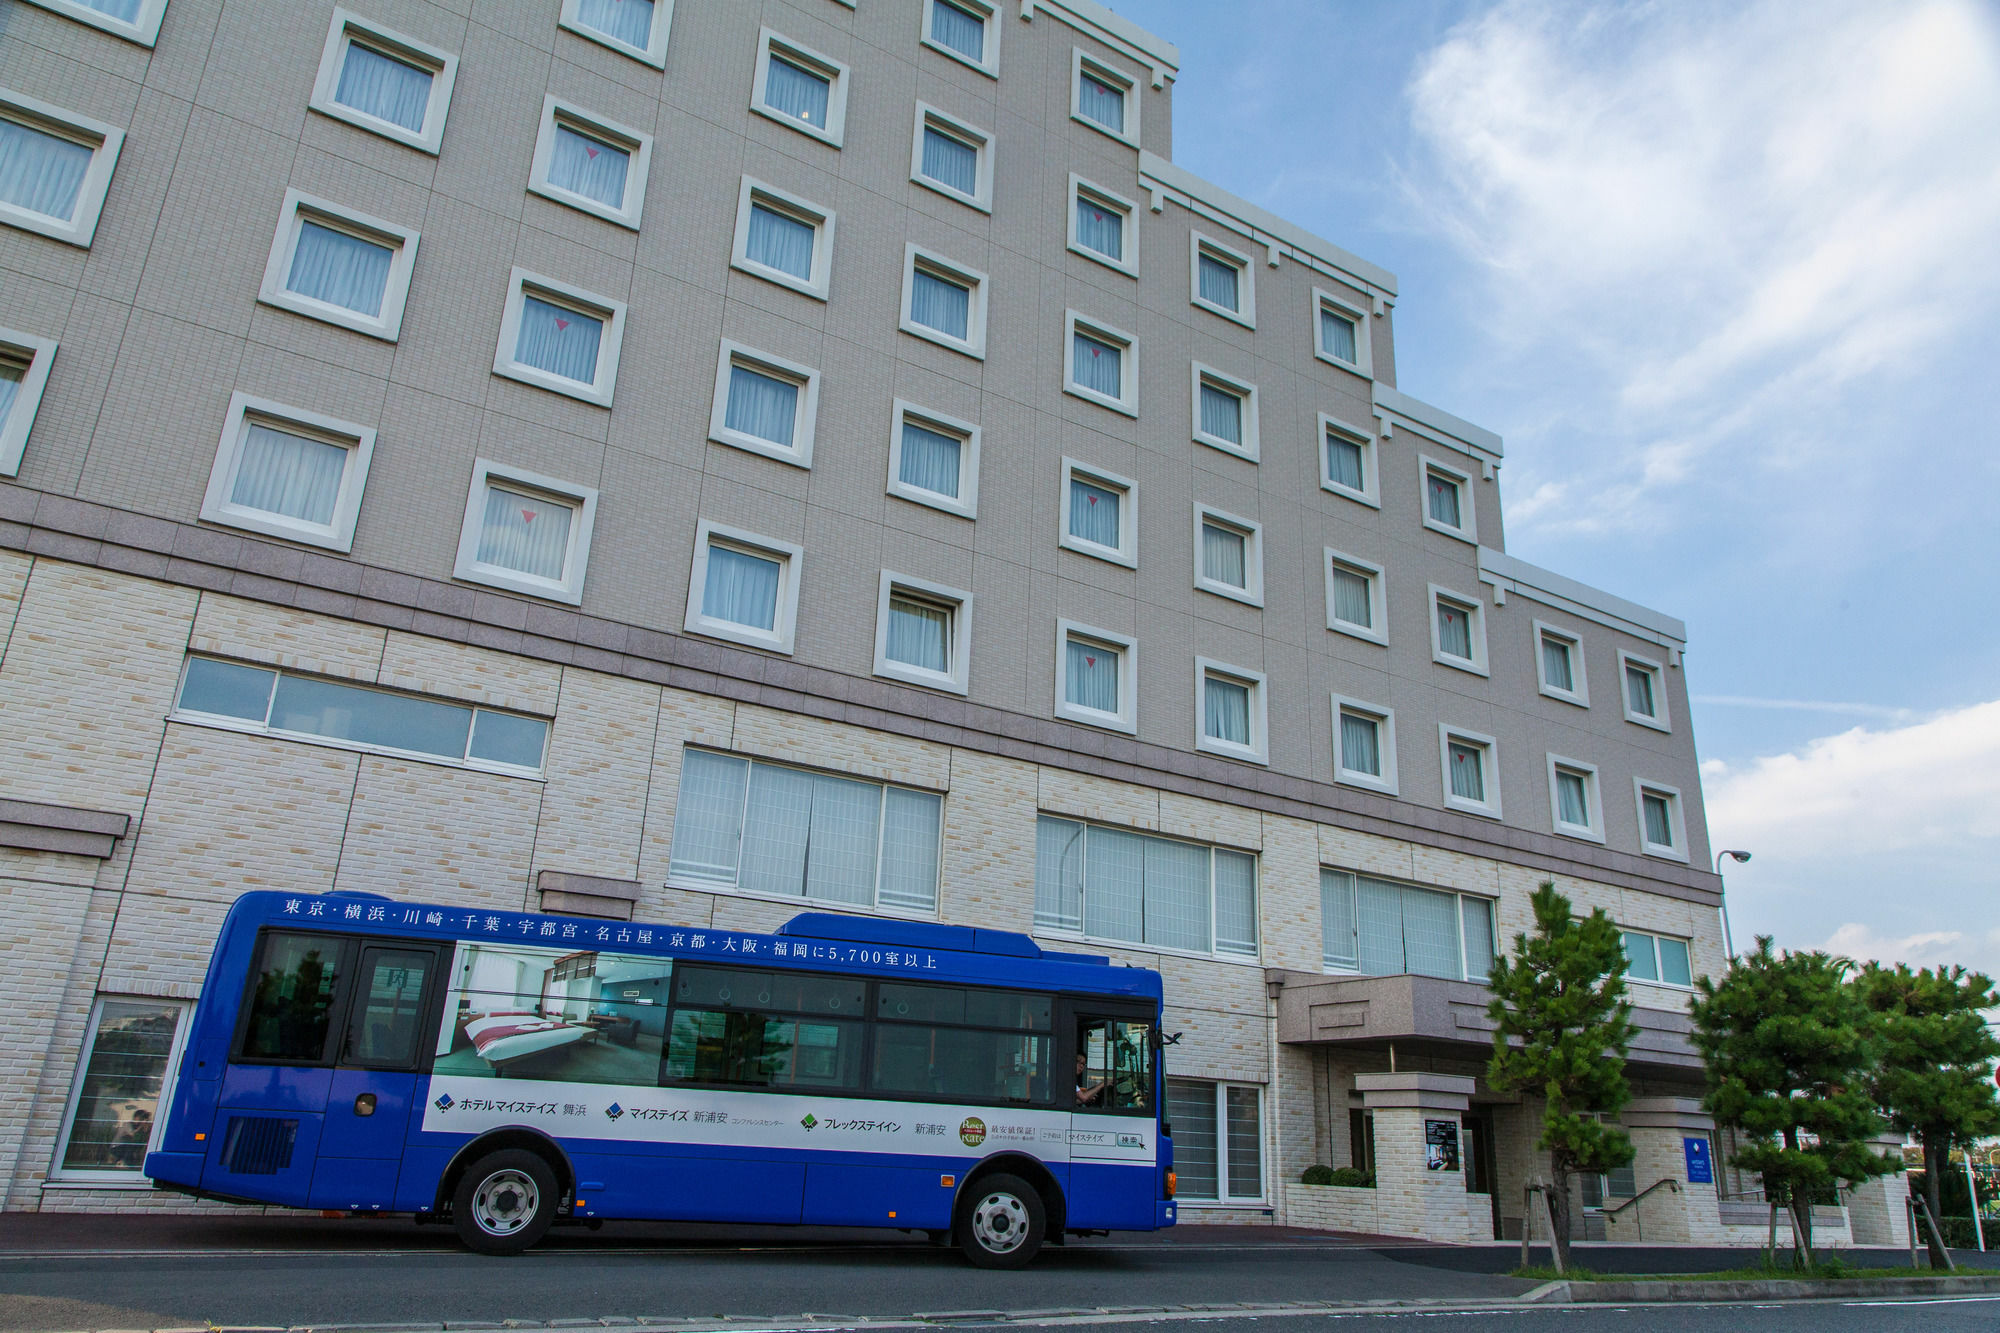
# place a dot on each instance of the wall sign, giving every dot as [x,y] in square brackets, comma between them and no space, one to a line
[1701,1170]
[1440,1145]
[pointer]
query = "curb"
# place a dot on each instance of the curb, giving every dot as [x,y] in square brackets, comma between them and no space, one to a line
[1757,1289]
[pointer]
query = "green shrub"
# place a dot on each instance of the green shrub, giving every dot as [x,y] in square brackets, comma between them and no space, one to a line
[1352,1178]
[1318,1175]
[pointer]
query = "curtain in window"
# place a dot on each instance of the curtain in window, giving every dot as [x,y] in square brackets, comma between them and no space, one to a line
[846,832]
[1101,229]
[384,87]
[1101,103]
[41,172]
[1674,965]
[1218,282]
[340,269]
[1336,918]
[1639,691]
[1555,665]
[951,162]
[1177,911]
[1468,772]
[1476,917]
[761,406]
[708,818]
[586,165]
[1430,934]
[1096,366]
[1222,555]
[919,634]
[1191,1108]
[630,21]
[777,829]
[1360,743]
[1091,676]
[1378,908]
[929,460]
[1454,631]
[1572,799]
[910,831]
[791,90]
[780,242]
[961,31]
[1246,1140]
[10,385]
[282,473]
[1235,903]
[1114,903]
[1351,602]
[1225,710]
[1093,512]
[1221,414]
[1059,857]
[1640,962]
[1343,463]
[941,305]
[741,588]
[558,340]
[1336,335]
[1659,821]
[524,533]
[1443,493]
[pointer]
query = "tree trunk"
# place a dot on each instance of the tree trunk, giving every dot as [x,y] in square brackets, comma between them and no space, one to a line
[1937,1160]
[1802,1209]
[1559,1207]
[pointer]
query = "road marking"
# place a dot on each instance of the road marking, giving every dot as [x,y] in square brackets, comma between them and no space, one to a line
[1930,1300]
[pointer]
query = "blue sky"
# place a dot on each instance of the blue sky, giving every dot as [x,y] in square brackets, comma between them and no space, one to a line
[1727,278]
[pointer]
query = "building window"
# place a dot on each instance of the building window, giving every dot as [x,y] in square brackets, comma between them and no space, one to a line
[591,163]
[1661,959]
[1225,412]
[953,158]
[797,86]
[1458,631]
[1574,807]
[1645,691]
[134,20]
[1228,555]
[744,588]
[526,533]
[1447,500]
[57,168]
[1662,831]
[1559,665]
[560,338]
[1356,602]
[944,302]
[1230,703]
[923,633]
[1383,929]
[966,31]
[637,28]
[1096,676]
[1347,461]
[783,239]
[129,1054]
[25,361]
[764,404]
[1471,767]
[1222,280]
[1101,226]
[1218,1141]
[1133,888]
[1103,365]
[934,460]
[1364,744]
[751,827]
[384,82]
[1340,332]
[333,264]
[1100,514]
[288,473]
[1104,98]
[359,717]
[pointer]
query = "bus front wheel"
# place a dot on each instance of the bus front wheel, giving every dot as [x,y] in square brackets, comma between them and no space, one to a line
[504,1202]
[1002,1222]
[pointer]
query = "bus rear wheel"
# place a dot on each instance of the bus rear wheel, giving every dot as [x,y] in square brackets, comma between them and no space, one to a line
[504,1202]
[1001,1222]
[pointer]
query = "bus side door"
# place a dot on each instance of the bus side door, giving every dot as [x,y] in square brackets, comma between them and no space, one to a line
[375,1076]
[1113,1138]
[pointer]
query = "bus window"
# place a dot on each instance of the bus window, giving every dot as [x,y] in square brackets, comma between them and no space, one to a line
[751,1050]
[388,1014]
[956,1004]
[1114,1064]
[962,1064]
[785,992]
[292,1003]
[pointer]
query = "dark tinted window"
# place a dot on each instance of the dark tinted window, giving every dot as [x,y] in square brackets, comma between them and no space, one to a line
[388,1014]
[785,992]
[292,1001]
[753,1050]
[956,1004]
[960,1063]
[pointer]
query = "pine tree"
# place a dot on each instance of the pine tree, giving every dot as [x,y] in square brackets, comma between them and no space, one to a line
[1934,1074]
[1787,1041]
[1563,1026]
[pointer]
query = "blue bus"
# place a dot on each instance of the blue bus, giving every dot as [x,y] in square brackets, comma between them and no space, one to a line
[509,1072]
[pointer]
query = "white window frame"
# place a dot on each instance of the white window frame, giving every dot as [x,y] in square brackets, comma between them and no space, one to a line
[1654,937]
[145,29]
[1243,390]
[1378,596]
[798,208]
[1489,770]
[834,71]
[1592,794]
[974,343]
[966,505]
[1080,190]
[1082,63]
[1343,968]
[1663,721]
[1214,952]
[1223,1199]
[1371,478]
[655,53]
[1127,401]
[1258,751]
[298,208]
[40,354]
[1246,278]
[1580,694]
[136,1178]
[1475,610]
[521,283]
[1468,529]
[956,680]
[1364,364]
[1127,551]
[804,421]
[1676,813]
[244,410]
[442,64]
[978,140]
[1126,719]
[1385,744]
[1252,594]
[780,637]
[583,518]
[979,9]
[104,140]
[637,144]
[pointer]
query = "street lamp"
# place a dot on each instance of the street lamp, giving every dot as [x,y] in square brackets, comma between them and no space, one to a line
[1722,897]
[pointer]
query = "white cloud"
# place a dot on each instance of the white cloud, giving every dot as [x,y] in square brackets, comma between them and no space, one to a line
[1933,948]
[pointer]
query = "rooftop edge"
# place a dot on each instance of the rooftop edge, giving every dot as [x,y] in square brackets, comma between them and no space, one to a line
[1089,15]
[1541,585]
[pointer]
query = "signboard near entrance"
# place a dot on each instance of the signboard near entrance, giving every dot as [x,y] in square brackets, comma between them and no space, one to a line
[1701,1170]
[1440,1145]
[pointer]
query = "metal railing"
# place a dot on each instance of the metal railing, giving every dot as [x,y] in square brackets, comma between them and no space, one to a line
[1666,1183]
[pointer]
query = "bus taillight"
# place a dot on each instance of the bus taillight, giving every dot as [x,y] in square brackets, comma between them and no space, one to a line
[1173,1179]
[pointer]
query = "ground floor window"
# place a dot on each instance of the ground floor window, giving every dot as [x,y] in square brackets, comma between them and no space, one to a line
[1218,1141]
[129,1051]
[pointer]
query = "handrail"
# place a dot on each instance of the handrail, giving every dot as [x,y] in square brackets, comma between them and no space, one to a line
[1668,1181]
